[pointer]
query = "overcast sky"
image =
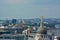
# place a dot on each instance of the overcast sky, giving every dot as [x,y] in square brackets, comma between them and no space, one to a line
[29,9]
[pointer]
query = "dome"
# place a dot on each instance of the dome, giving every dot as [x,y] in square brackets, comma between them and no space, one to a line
[42,30]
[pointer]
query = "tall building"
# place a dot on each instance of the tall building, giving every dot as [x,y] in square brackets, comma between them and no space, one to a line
[14,21]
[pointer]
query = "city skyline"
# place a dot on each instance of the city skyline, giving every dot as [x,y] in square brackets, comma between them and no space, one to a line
[26,9]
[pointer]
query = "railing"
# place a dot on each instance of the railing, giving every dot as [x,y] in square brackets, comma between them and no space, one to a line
[43,37]
[25,37]
[12,37]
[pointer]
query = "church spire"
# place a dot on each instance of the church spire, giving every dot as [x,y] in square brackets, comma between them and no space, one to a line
[41,29]
[41,22]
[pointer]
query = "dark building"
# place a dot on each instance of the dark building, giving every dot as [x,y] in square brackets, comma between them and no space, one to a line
[14,21]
